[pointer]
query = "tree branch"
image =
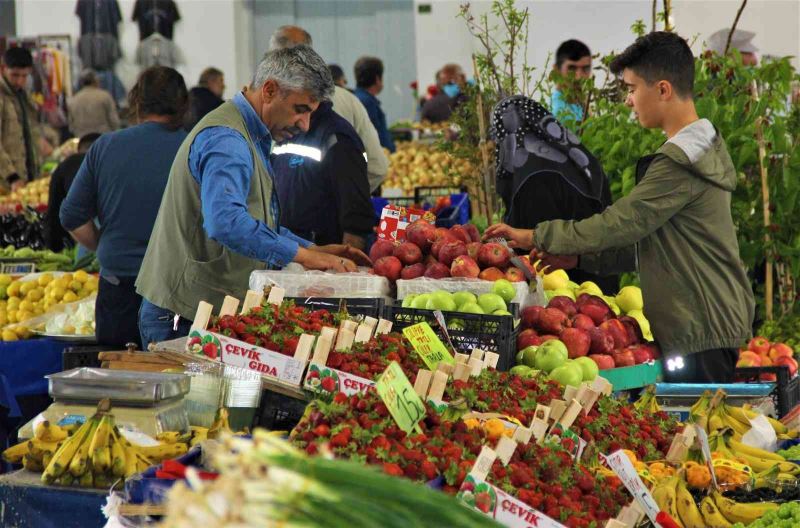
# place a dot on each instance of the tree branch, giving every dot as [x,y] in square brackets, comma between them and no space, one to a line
[655,15]
[733,27]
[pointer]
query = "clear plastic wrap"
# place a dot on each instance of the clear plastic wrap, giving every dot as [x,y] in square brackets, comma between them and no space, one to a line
[476,286]
[301,283]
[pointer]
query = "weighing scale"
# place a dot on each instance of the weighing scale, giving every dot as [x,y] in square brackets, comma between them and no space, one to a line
[678,398]
[145,402]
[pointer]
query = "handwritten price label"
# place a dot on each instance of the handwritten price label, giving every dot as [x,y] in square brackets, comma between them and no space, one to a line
[428,345]
[621,465]
[398,394]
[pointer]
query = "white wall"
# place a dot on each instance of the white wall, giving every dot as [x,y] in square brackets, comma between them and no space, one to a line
[210,33]
[604,25]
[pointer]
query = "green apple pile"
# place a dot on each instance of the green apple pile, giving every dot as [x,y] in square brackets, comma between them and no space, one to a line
[627,302]
[552,358]
[493,303]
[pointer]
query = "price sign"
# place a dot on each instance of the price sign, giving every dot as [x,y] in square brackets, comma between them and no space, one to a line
[428,345]
[706,449]
[621,465]
[398,394]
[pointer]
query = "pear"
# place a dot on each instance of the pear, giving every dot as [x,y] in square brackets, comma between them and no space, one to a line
[644,324]
[629,299]
[556,280]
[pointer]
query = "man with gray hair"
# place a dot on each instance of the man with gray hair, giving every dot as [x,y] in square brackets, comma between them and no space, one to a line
[346,105]
[91,110]
[219,218]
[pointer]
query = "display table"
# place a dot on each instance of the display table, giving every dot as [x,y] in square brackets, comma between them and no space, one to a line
[23,367]
[27,503]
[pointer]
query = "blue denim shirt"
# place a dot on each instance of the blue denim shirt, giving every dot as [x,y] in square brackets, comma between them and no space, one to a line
[376,115]
[224,152]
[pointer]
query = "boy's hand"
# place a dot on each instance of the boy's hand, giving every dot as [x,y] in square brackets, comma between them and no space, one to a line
[517,238]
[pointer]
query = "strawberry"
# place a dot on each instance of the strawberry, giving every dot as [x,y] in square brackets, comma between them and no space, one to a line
[322,430]
[328,384]
[392,469]
[210,350]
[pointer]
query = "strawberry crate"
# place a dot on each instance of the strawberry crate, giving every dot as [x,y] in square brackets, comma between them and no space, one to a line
[366,306]
[279,412]
[491,333]
[786,393]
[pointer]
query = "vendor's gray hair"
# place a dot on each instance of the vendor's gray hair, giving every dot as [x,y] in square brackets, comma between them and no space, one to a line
[295,69]
[286,37]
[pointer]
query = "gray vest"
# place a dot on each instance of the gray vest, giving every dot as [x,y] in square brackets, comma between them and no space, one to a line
[182,265]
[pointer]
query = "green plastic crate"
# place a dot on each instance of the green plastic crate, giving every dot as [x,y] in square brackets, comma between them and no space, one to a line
[625,378]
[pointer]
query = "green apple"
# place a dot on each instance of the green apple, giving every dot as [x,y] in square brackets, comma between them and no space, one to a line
[441,300]
[501,312]
[550,355]
[529,355]
[471,307]
[455,324]
[463,297]
[588,367]
[491,302]
[409,300]
[522,371]
[421,301]
[567,374]
[519,356]
[505,289]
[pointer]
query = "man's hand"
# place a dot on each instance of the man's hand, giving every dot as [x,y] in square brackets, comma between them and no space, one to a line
[517,238]
[320,260]
[554,262]
[344,250]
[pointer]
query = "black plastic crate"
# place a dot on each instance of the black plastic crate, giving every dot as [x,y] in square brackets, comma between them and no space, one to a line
[491,333]
[786,394]
[279,412]
[367,306]
[82,356]
[423,195]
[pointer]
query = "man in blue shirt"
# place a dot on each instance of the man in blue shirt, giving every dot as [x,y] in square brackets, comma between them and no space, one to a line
[369,83]
[219,219]
[573,64]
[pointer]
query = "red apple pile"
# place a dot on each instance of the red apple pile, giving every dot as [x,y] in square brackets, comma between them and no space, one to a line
[588,327]
[438,253]
[761,353]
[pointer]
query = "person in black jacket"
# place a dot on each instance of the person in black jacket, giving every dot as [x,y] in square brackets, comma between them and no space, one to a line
[55,236]
[545,173]
[206,96]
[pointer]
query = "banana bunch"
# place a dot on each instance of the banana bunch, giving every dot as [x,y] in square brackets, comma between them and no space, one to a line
[688,512]
[36,453]
[739,512]
[647,402]
[665,493]
[700,408]
[759,460]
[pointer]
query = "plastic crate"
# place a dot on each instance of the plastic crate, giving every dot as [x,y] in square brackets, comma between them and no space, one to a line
[491,333]
[367,306]
[84,356]
[279,412]
[458,213]
[379,202]
[428,195]
[786,394]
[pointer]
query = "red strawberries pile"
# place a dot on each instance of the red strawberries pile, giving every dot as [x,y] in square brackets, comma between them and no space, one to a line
[438,253]
[587,326]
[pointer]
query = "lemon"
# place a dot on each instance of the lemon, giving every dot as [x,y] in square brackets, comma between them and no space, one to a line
[35,294]
[63,282]
[70,297]
[23,332]
[75,285]
[3,319]
[13,289]
[25,305]
[45,279]
[12,316]
[84,330]
[23,315]
[80,276]
[5,279]
[8,335]
[57,293]
[38,310]
[68,277]
[13,303]
[27,287]
[69,329]
[91,286]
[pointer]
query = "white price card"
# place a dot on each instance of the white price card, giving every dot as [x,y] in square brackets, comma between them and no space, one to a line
[621,465]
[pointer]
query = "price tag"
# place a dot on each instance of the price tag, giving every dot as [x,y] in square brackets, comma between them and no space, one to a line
[706,449]
[398,394]
[621,465]
[428,345]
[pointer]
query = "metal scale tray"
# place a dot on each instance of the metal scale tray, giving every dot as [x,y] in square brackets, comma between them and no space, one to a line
[125,388]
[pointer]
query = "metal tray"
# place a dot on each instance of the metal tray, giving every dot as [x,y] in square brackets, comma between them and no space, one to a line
[125,387]
[69,338]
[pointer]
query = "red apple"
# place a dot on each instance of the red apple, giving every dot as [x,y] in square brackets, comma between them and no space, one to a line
[634,331]
[552,321]
[624,358]
[388,267]
[428,260]
[584,322]
[491,274]
[451,250]
[437,270]
[473,248]
[515,275]
[493,255]
[604,361]
[617,331]
[473,232]
[768,378]
[408,253]
[526,338]
[463,266]
[421,233]
[652,350]
[779,349]
[765,360]
[530,316]
[439,243]
[527,263]
[595,307]
[412,272]
[547,337]
[565,304]
[440,233]
[759,345]
[640,354]
[578,342]
[602,343]
[460,233]
[381,248]
[748,358]
[787,361]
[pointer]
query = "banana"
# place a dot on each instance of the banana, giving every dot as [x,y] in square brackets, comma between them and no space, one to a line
[687,509]
[130,454]
[49,432]
[62,458]
[86,480]
[173,437]
[220,424]
[715,423]
[37,448]
[15,453]
[733,423]
[65,479]
[744,513]
[162,451]
[766,479]
[738,447]
[712,517]
[665,495]
[750,414]
[700,407]
[46,457]
[80,462]
[118,464]
[31,464]
[99,452]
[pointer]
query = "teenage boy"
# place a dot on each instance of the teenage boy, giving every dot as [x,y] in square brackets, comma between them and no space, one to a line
[676,222]
[573,64]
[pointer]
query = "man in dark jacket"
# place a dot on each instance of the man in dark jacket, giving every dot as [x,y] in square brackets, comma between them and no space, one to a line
[676,221]
[206,96]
